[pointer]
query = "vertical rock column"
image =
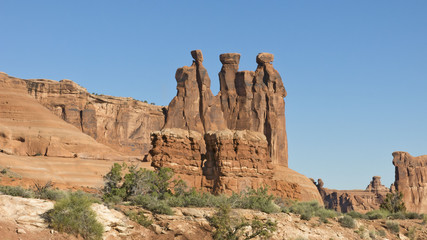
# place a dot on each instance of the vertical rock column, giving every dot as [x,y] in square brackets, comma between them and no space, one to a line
[227,78]
[269,87]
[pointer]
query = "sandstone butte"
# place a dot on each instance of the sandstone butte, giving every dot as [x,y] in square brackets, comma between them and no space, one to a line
[223,143]
[52,130]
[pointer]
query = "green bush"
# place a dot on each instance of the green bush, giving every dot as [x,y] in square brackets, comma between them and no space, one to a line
[357,215]
[16,191]
[258,199]
[157,192]
[381,233]
[152,204]
[307,210]
[45,191]
[73,215]
[139,217]
[413,215]
[347,221]
[393,226]
[377,214]
[233,228]
[393,203]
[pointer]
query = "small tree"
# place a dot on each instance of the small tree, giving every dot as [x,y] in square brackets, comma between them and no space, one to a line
[234,228]
[393,203]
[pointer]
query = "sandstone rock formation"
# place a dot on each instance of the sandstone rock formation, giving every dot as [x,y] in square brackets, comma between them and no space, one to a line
[411,180]
[234,140]
[354,200]
[29,129]
[375,185]
[123,124]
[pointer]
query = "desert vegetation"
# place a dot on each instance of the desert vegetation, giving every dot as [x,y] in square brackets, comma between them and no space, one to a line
[160,192]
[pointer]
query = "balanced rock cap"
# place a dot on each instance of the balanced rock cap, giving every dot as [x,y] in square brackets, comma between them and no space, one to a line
[197,55]
[229,58]
[263,58]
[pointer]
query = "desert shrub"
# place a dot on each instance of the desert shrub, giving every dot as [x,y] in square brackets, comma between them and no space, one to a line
[139,217]
[357,215]
[284,204]
[233,228]
[397,215]
[307,210]
[73,215]
[347,221]
[16,191]
[257,199]
[381,233]
[393,203]
[372,234]
[393,226]
[424,218]
[413,215]
[112,189]
[45,191]
[157,192]
[152,204]
[412,233]
[377,214]
[136,182]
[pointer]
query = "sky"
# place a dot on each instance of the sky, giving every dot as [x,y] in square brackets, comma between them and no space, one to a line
[355,71]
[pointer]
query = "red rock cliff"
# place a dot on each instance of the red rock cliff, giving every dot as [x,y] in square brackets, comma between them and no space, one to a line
[411,180]
[123,124]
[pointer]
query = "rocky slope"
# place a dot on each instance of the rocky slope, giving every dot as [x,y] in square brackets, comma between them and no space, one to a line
[411,180]
[22,218]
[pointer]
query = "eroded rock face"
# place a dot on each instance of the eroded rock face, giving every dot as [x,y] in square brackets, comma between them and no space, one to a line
[354,200]
[194,107]
[375,185]
[123,124]
[254,101]
[29,129]
[234,140]
[411,180]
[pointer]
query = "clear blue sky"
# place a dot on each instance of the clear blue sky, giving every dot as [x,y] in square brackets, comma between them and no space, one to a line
[355,71]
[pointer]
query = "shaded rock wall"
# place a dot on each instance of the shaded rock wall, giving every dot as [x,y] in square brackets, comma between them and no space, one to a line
[354,200]
[411,180]
[124,124]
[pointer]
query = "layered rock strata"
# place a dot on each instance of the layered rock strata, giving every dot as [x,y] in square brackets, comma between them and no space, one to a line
[29,129]
[235,140]
[354,200]
[411,180]
[123,124]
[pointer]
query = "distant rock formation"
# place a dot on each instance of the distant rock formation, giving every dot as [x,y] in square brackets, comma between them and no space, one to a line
[354,200]
[123,124]
[234,140]
[411,180]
